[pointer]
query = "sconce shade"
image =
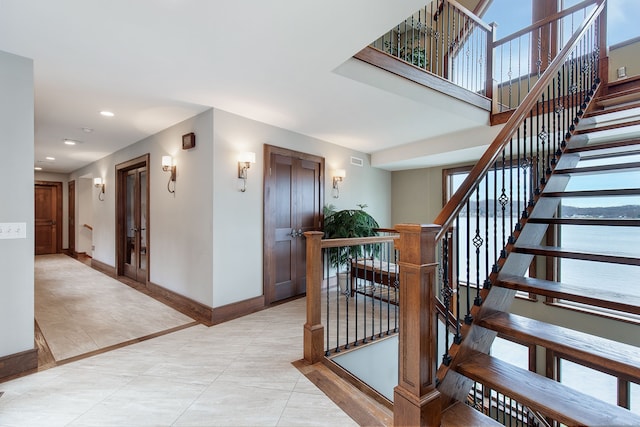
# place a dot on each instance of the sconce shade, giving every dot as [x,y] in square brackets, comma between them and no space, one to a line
[339,173]
[97,182]
[247,157]
[167,162]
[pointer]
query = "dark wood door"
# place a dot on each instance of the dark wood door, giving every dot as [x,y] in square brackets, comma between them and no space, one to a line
[48,211]
[293,205]
[132,213]
[72,218]
[135,262]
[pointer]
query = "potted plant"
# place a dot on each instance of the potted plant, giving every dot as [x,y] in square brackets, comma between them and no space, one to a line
[348,223]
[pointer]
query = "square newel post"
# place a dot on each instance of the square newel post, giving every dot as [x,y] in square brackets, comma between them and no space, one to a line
[416,400]
[313,329]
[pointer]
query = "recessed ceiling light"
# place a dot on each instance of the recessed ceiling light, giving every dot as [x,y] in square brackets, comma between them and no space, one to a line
[107,113]
[69,142]
[50,158]
[38,168]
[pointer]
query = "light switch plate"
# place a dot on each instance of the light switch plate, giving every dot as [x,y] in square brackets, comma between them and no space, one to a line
[13,230]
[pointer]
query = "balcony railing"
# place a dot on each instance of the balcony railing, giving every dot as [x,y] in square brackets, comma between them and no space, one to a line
[445,39]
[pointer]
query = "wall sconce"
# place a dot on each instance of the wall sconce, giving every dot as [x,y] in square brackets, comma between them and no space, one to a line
[338,176]
[97,182]
[169,166]
[244,163]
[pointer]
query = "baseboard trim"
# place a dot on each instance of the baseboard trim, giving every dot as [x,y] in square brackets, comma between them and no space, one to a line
[104,268]
[237,309]
[200,312]
[18,364]
[194,309]
[203,313]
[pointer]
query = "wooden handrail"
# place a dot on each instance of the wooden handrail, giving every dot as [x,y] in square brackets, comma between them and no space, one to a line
[356,241]
[456,202]
[541,23]
[471,15]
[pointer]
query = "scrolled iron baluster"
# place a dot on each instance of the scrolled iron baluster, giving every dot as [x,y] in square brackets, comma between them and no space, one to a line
[503,199]
[446,296]
[477,242]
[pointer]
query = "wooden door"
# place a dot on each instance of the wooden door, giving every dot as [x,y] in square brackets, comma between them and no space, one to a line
[293,205]
[72,218]
[135,262]
[48,214]
[132,231]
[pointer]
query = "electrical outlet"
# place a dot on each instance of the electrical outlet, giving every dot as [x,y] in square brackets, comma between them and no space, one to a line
[13,230]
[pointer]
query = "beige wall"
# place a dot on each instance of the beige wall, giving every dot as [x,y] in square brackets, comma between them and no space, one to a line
[16,203]
[416,194]
[626,54]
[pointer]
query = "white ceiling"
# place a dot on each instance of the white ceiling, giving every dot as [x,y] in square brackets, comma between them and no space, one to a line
[155,63]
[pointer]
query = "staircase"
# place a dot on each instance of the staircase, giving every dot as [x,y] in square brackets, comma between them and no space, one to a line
[604,145]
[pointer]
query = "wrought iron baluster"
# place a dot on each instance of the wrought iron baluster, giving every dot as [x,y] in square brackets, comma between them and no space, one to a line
[477,242]
[446,297]
[503,203]
[328,304]
[532,158]
[468,319]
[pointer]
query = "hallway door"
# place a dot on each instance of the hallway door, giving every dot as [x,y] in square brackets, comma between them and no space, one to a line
[48,216]
[293,205]
[132,230]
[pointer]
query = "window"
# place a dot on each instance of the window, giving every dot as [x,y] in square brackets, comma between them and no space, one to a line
[487,218]
[603,386]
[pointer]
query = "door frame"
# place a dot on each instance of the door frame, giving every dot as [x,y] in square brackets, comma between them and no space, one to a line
[58,189]
[269,220]
[71,218]
[121,176]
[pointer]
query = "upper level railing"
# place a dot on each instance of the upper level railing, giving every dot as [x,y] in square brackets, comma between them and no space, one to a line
[445,39]
[520,58]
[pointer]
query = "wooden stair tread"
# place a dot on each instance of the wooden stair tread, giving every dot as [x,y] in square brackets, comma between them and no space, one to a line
[593,193]
[595,297]
[462,415]
[551,398]
[618,96]
[600,168]
[629,106]
[609,222]
[615,258]
[607,355]
[607,127]
[603,146]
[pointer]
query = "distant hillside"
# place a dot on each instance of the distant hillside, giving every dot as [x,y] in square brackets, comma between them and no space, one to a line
[627,211]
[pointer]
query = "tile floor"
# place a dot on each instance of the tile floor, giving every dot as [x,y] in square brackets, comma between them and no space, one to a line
[80,310]
[238,373]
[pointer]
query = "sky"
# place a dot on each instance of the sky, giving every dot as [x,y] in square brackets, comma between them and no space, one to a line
[511,15]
